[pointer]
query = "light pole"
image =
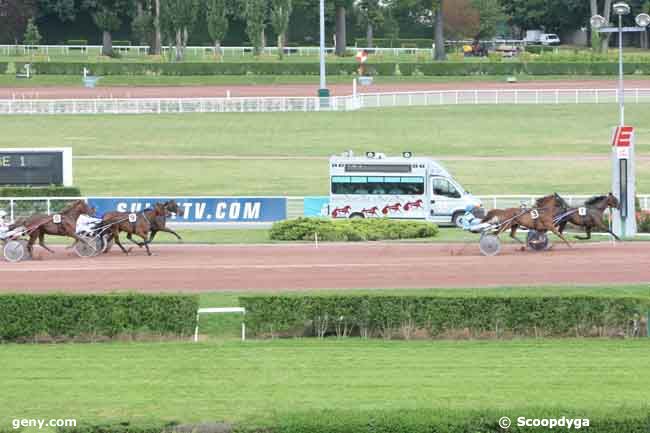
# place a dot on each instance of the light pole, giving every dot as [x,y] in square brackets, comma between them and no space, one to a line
[323,92]
[623,167]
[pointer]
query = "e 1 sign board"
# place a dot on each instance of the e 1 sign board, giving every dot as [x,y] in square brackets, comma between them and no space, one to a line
[36,166]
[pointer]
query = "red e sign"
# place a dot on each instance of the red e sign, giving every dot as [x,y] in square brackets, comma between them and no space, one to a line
[623,136]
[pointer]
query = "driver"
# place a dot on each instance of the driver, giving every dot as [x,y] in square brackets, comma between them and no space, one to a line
[470,221]
[4,225]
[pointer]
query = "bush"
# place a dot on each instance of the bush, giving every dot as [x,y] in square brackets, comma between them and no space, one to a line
[395,43]
[361,229]
[46,191]
[438,316]
[77,42]
[92,317]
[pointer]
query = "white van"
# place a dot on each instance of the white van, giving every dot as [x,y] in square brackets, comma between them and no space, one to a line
[549,39]
[404,187]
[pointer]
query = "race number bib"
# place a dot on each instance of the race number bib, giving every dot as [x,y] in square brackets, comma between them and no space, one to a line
[133,217]
[582,211]
[534,214]
[56,219]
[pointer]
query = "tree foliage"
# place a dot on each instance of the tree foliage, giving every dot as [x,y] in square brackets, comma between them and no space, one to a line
[280,14]
[13,18]
[32,35]
[217,21]
[176,18]
[255,14]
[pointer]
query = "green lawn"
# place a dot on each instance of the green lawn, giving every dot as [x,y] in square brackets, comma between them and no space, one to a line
[262,380]
[451,132]
[504,130]
[310,177]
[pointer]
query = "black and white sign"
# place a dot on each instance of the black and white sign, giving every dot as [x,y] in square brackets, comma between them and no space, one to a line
[36,166]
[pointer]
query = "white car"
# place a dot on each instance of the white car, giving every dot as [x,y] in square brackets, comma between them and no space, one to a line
[549,39]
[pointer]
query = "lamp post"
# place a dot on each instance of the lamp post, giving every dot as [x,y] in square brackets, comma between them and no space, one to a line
[623,169]
[323,92]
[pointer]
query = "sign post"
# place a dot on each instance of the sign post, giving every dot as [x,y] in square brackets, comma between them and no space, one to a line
[623,185]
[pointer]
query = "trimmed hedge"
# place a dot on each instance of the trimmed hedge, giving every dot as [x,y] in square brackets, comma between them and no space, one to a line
[121,427]
[91,317]
[435,316]
[448,421]
[395,43]
[4,67]
[46,191]
[371,229]
[379,69]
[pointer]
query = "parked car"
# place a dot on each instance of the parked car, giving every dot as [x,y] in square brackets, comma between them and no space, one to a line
[549,39]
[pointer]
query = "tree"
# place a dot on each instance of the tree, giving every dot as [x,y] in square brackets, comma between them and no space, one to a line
[280,14]
[600,41]
[66,10]
[176,17]
[13,18]
[462,20]
[550,15]
[372,15]
[341,37]
[32,35]
[106,15]
[255,14]
[490,13]
[217,20]
[439,34]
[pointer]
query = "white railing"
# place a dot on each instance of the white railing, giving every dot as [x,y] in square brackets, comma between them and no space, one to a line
[192,51]
[335,103]
[295,205]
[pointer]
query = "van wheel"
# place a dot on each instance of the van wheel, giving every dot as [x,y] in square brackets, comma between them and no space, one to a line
[357,215]
[455,219]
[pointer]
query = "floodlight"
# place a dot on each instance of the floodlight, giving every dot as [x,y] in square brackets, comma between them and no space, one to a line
[621,8]
[597,21]
[642,20]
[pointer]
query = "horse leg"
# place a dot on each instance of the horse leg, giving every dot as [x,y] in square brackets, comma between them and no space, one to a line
[30,244]
[560,235]
[129,236]
[513,233]
[601,226]
[146,243]
[116,239]
[166,230]
[588,232]
[41,242]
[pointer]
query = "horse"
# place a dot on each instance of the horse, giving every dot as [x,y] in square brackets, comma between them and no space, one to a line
[541,217]
[160,223]
[142,226]
[593,215]
[42,224]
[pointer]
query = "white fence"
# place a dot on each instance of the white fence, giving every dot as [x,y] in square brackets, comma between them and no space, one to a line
[335,103]
[18,207]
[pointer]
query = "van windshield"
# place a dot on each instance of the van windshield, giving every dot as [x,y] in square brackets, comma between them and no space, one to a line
[444,188]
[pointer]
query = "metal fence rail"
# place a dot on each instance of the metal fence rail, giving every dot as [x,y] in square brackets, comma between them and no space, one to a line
[336,103]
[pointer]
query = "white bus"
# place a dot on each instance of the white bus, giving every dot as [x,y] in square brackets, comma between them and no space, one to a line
[402,187]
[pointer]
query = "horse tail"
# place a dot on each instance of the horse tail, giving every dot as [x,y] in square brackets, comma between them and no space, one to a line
[491,215]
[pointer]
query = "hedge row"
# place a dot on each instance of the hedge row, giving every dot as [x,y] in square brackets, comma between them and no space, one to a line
[371,229]
[91,317]
[395,43]
[406,316]
[46,191]
[380,69]
[396,421]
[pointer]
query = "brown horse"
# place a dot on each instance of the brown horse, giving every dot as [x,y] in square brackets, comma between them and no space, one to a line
[42,224]
[141,225]
[590,216]
[541,217]
[160,223]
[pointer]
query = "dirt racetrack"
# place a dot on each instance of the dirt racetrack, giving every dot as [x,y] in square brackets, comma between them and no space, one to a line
[276,267]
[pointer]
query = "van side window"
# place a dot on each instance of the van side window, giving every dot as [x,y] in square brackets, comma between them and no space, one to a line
[378,185]
[444,188]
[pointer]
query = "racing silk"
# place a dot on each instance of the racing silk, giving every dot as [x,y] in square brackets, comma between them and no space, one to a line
[469,220]
[86,224]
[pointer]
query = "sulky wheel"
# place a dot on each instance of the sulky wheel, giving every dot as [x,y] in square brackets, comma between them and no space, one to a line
[490,245]
[90,247]
[536,240]
[15,251]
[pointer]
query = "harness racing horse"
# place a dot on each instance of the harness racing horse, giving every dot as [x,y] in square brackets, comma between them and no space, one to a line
[541,217]
[160,223]
[43,224]
[139,224]
[590,216]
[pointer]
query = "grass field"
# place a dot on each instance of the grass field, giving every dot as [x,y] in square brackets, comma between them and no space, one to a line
[451,132]
[260,381]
